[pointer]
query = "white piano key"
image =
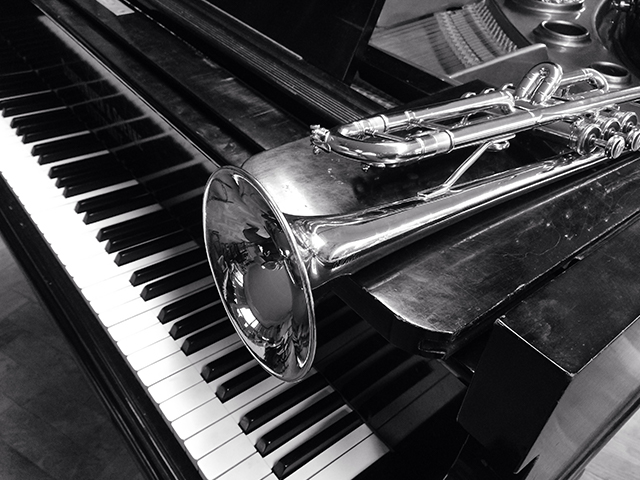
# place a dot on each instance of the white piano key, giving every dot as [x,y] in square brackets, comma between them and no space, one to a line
[302,437]
[252,467]
[178,382]
[142,339]
[170,324]
[257,391]
[355,460]
[116,297]
[39,202]
[300,406]
[152,354]
[163,368]
[206,440]
[186,401]
[225,457]
[133,325]
[135,307]
[110,285]
[199,418]
[331,454]
[214,384]
[84,274]
[215,350]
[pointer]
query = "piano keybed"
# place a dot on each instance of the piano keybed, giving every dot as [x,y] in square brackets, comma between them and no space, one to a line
[133,257]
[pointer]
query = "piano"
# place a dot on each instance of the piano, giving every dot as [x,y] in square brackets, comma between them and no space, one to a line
[115,113]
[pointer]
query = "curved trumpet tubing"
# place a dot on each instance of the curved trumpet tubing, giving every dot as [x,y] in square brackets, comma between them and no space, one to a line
[267,256]
[541,98]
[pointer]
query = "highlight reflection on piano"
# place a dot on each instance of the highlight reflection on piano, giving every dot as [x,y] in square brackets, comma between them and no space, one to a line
[99,162]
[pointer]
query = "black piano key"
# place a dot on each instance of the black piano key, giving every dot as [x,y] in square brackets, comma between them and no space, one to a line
[187,207]
[15,67]
[177,280]
[173,188]
[206,337]
[86,165]
[195,321]
[316,445]
[167,266]
[15,79]
[43,118]
[90,112]
[110,199]
[132,254]
[297,424]
[356,355]
[29,104]
[189,304]
[66,148]
[241,382]
[57,129]
[86,187]
[32,82]
[93,216]
[159,154]
[25,87]
[358,384]
[134,225]
[225,364]
[112,172]
[391,388]
[116,244]
[74,94]
[134,131]
[279,404]
[54,77]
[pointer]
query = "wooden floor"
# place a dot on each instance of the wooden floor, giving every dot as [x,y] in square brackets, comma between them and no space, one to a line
[52,426]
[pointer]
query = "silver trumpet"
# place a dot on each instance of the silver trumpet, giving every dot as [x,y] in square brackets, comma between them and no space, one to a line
[292,219]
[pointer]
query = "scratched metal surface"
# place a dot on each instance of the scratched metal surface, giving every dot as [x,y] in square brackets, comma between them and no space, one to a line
[439,293]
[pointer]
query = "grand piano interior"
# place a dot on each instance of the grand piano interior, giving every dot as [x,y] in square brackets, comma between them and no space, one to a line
[502,347]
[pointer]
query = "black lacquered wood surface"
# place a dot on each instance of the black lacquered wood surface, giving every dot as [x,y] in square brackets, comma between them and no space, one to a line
[435,295]
[568,356]
[326,34]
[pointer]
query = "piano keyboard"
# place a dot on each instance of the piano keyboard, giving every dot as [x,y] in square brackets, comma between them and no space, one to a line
[147,280]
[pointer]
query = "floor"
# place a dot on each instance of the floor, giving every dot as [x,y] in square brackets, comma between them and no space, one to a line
[52,426]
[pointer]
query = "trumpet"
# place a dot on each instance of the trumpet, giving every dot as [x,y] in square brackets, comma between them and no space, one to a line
[290,220]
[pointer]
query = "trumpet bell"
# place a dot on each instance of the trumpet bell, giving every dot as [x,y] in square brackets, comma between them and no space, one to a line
[260,276]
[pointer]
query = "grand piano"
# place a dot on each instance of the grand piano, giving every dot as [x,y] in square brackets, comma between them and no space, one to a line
[501,347]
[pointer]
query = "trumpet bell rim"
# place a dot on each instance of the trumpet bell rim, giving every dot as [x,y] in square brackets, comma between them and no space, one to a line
[259,272]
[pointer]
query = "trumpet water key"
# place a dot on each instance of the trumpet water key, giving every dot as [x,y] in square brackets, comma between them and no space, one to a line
[290,219]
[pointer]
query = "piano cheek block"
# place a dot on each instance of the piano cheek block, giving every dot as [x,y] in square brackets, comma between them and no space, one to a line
[561,371]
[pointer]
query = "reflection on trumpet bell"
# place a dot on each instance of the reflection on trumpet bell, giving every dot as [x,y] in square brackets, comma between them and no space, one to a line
[267,256]
[543,97]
